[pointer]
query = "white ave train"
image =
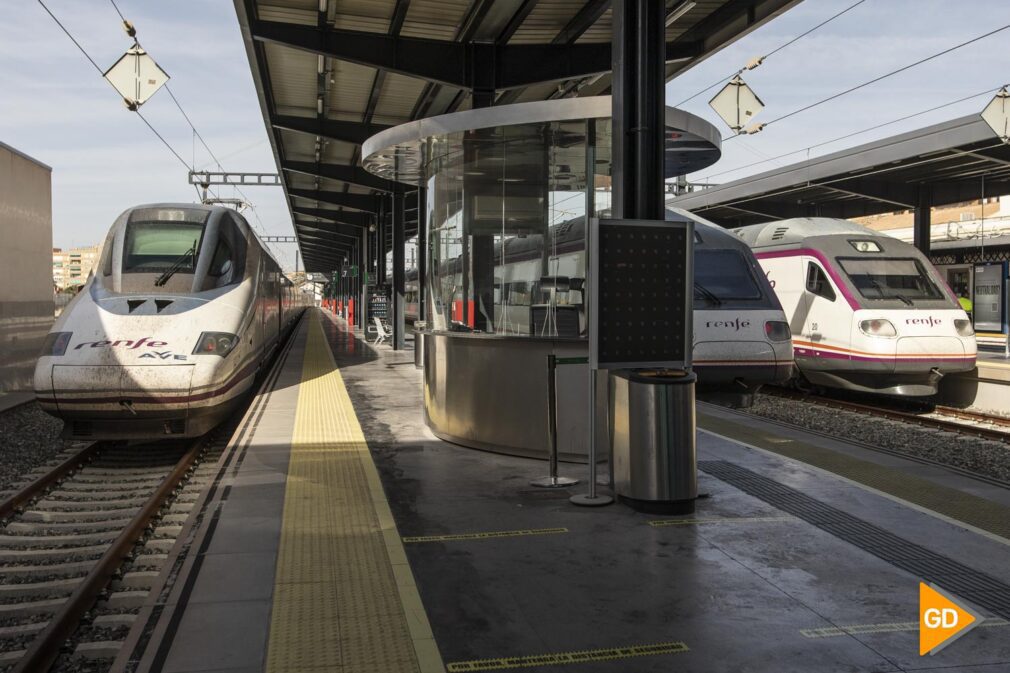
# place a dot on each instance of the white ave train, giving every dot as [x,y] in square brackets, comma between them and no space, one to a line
[868,312]
[741,336]
[184,308]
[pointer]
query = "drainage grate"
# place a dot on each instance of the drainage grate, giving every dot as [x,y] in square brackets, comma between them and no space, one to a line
[981,589]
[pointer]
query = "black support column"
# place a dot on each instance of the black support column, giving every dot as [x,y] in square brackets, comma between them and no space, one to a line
[422,251]
[398,269]
[361,254]
[923,220]
[380,242]
[639,73]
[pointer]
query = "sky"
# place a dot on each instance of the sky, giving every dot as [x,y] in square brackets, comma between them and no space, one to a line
[55,107]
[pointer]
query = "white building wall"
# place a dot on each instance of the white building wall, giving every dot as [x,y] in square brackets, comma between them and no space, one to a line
[26,283]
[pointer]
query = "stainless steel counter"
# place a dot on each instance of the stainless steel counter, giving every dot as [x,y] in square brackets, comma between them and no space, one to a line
[490,392]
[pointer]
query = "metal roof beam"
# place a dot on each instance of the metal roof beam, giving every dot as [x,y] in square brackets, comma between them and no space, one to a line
[368,203]
[353,218]
[344,131]
[354,175]
[453,63]
[900,195]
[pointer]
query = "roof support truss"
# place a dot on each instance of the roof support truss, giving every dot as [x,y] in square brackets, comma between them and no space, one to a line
[453,63]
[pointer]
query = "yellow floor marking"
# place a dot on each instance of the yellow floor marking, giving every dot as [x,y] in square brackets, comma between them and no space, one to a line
[695,522]
[484,536]
[345,598]
[582,657]
[892,627]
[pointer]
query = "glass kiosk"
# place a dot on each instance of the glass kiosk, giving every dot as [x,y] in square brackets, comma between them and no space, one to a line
[509,189]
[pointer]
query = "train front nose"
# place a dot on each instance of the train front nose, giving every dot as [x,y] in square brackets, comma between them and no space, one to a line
[116,400]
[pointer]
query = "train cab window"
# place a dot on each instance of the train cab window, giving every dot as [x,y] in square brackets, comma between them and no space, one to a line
[221,264]
[817,282]
[890,278]
[156,247]
[721,275]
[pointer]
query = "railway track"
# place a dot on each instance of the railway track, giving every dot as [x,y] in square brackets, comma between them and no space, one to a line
[81,544]
[942,418]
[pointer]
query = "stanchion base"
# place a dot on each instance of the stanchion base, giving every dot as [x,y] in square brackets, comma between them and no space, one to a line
[554,482]
[659,506]
[583,500]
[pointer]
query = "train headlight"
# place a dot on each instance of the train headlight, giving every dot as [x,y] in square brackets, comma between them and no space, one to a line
[964,328]
[56,343]
[777,330]
[215,343]
[878,327]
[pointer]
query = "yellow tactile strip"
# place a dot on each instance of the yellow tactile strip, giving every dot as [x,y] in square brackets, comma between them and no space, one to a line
[560,658]
[344,596]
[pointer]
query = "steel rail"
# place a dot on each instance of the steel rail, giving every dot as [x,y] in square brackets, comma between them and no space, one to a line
[902,416]
[28,493]
[45,648]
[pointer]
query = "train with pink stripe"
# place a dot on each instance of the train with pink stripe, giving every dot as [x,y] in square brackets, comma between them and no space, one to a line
[868,312]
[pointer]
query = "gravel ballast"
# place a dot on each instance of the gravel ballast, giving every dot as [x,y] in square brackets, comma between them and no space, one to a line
[985,457]
[29,437]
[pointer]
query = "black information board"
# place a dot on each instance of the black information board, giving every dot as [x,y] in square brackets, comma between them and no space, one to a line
[640,295]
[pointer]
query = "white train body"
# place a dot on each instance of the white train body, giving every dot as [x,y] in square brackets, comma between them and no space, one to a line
[170,332]
[868,312]
[741,337]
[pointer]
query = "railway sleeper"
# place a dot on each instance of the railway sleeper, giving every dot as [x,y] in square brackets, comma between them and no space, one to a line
[51,527]
[59,541]
[80,516]
[48,588]
[58,555]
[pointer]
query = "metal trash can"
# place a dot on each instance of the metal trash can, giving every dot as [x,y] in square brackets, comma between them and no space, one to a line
[419,328]
[652,440]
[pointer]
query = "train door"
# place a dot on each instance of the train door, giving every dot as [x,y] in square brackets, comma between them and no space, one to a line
[823,328]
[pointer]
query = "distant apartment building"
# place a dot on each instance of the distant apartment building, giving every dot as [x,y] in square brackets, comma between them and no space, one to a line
[72,267]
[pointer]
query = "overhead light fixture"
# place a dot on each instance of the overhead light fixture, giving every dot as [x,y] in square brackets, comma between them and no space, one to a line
[680,11]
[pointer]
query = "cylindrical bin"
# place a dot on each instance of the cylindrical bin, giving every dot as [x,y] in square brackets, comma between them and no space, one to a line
[652,440]
[419,328]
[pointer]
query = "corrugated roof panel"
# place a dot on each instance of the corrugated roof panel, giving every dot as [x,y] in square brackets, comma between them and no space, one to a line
[292,76]
[601,31]
[546,21]
[349,90]
[366,15]
[301,16]
[434,19]
[397,98]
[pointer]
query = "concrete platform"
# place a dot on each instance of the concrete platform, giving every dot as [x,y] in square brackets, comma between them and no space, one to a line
[985,388]
[784,567]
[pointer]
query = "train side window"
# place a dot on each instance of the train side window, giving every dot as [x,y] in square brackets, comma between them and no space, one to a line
[817,282]
[221,264]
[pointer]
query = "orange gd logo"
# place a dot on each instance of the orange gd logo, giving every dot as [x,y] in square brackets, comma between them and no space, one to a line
[941,620]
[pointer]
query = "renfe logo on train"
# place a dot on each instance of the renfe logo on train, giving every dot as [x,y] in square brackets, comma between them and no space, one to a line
[736,324]
[929,321]
[125,343]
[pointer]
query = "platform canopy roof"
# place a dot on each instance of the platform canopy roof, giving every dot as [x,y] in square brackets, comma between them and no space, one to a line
[331,73]
[956,161]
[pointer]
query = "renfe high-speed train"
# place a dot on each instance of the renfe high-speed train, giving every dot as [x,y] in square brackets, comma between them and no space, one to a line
[868,312]
[741,337]
[183,309]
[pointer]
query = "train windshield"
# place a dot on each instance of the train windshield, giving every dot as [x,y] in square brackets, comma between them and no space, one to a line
[158,247]
[721,275]
[903,279]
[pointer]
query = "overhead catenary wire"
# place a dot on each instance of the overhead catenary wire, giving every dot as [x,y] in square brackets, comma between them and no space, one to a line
[853,133]
[773,51]
[879,78]
[102,73]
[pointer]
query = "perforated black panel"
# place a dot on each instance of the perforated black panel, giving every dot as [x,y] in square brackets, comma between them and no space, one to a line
[643,294]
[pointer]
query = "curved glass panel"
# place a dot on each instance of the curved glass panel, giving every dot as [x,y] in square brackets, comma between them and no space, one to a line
[506,234]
